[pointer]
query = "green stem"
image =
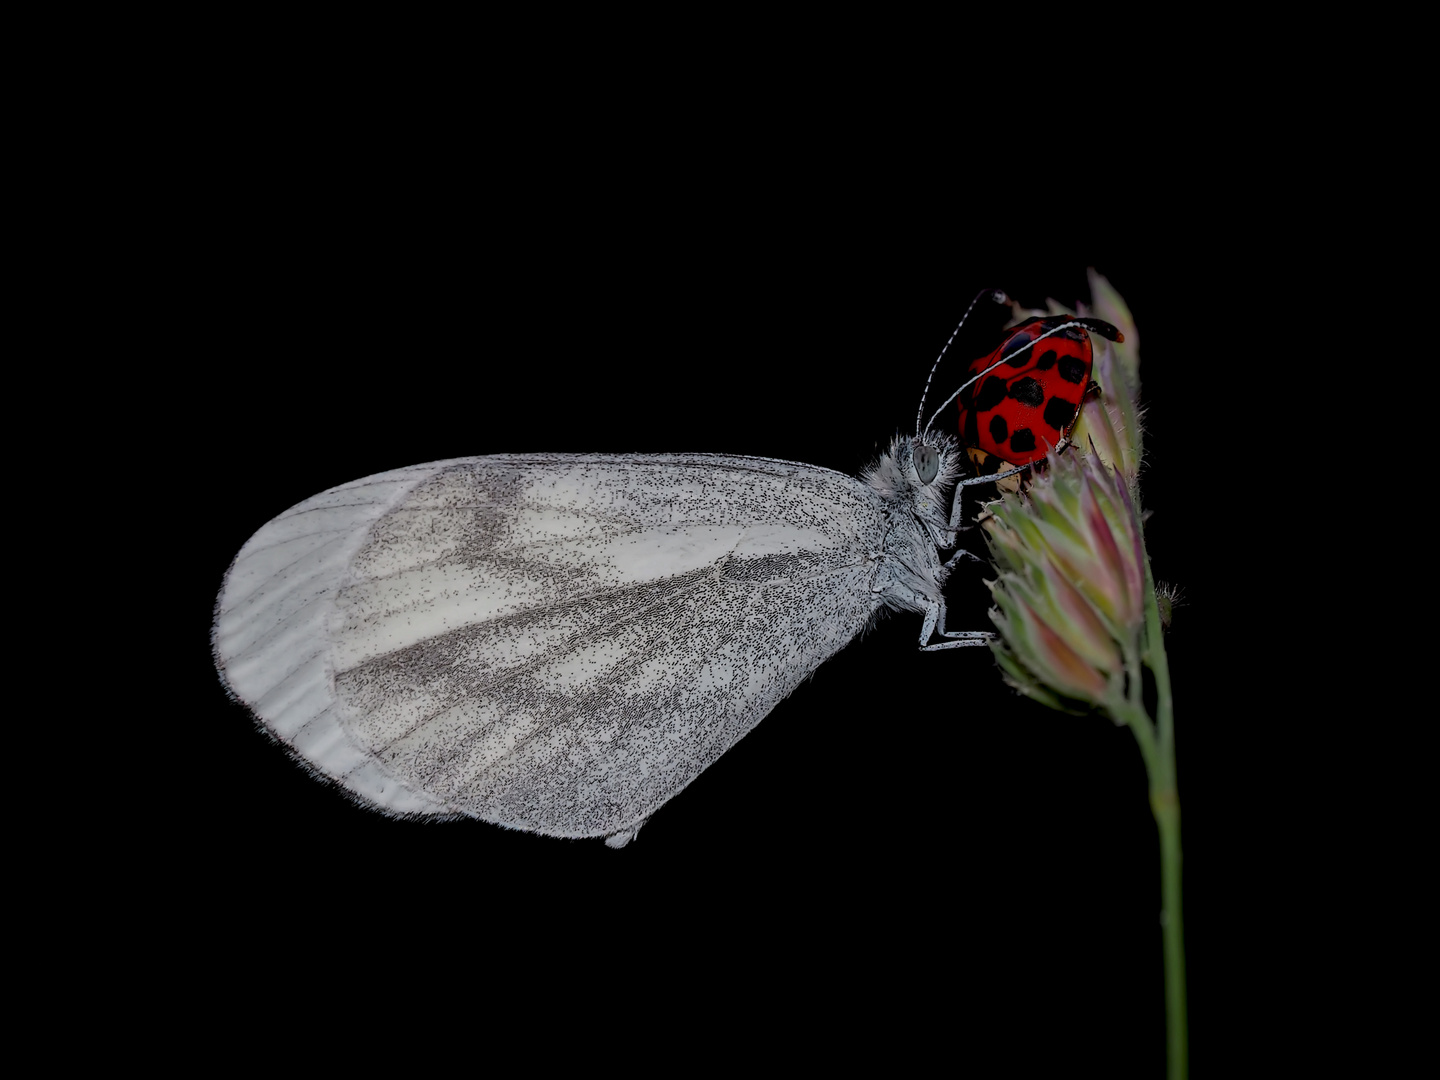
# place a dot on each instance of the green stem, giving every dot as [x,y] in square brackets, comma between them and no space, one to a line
[1156,742]
[1165,805]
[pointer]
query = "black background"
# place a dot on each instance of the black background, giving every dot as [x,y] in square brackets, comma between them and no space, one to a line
[903,837]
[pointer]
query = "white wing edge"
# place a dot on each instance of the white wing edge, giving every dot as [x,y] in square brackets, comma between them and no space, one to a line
[272,645]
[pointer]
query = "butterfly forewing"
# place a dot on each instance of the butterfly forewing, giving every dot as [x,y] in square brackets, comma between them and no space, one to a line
[555,643]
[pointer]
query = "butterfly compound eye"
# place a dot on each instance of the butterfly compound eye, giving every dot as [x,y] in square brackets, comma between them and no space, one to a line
[927,462]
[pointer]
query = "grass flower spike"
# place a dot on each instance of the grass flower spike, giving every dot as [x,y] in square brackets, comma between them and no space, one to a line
[1078,614]
[1069,598]
[1109,423]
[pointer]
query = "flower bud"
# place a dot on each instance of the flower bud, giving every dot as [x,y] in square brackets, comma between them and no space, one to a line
[1070,594]
[1107,304]
[1109,423]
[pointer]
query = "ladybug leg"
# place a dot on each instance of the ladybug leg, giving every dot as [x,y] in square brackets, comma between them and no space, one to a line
[935,617]
[1091,391]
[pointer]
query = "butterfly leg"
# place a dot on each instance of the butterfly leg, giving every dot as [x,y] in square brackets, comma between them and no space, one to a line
[959,639]
[961,554]
[989,479]
[947,539]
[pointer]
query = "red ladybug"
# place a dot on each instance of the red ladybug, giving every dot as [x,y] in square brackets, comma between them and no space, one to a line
[1028,404]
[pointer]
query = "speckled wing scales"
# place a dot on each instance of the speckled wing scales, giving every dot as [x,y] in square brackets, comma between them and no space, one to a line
[552,643]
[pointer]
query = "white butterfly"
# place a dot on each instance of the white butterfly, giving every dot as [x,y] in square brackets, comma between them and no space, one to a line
[561,643]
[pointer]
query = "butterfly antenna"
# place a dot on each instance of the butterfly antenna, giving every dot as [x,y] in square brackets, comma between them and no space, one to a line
[1104,329]
[995,295]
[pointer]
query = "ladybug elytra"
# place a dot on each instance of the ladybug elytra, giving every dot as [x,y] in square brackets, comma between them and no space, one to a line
[1027,405]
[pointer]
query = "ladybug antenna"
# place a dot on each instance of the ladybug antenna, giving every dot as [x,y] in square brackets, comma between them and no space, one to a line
[1098,326]
[998,297]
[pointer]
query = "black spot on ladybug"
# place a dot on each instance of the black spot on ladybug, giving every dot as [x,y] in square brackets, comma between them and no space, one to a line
[1072,369]
[972,429]
[1015,354]
[1028,391]
[999,431]
[1046,362]
[1059,413]
[1023,440]
[992,392]
[988,464]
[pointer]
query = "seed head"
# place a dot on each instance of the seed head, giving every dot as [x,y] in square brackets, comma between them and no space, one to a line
[1070,594]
